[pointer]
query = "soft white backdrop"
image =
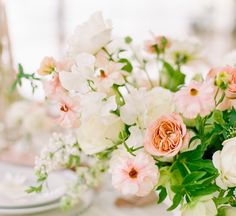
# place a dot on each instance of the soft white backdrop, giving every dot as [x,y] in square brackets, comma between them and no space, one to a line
[40,27]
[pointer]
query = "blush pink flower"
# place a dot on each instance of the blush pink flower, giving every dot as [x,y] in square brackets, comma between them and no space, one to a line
[133,175]
[47,66]
[68,108]
[53,87]
[166,136]
[160,41]
[231,71]
[195,99]
[110,72]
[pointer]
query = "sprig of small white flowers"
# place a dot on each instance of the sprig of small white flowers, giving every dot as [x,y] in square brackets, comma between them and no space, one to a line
[63,151]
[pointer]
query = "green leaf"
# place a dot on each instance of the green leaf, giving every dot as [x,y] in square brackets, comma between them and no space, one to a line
[171,78]
[162,194]
[193,177]
[206,165]
[176,201]
[202,190]
[127,65]
[192,155]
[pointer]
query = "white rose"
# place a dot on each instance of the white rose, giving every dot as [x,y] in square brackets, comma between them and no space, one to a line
[95,135]
[143,107]
[225,162]
[99,127]
[204,207]
[91,36]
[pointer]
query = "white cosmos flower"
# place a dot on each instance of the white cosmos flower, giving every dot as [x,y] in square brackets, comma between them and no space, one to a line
[225,162]
[99,128]
[90,36]
[143,107]
[81,72]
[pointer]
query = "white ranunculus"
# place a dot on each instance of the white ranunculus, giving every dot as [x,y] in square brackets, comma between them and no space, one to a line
[143,107]
[204,207]
[225,162]
[81,72]
[91,36]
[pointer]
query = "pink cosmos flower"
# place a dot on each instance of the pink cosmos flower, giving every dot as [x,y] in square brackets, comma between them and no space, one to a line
[231,71]
[47,66]
[133,175]
[53,88]
[158,40]
[195,99]
[68,111]
[166,136]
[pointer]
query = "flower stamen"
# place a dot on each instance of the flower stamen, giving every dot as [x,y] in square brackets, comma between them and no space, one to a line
[133,173]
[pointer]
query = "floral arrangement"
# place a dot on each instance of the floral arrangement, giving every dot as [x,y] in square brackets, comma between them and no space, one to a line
[137,115]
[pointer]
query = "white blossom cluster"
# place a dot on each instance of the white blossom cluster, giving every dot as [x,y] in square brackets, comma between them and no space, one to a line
[58,153]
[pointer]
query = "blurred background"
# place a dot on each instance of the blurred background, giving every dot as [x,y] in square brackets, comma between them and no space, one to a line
[41,27]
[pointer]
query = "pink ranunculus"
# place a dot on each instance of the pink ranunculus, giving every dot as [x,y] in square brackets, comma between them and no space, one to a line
[195,99]
[68,108]
[53,87]
[133,175]
[149,44]
[47,66]
[166,136]
[231,71]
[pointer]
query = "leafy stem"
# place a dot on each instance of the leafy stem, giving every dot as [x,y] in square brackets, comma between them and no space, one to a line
[22,75]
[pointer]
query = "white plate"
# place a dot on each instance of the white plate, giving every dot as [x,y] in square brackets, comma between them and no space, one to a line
[26,211]
[16,179]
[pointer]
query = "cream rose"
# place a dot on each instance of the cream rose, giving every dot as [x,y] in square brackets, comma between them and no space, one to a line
[166,136]
[224,161]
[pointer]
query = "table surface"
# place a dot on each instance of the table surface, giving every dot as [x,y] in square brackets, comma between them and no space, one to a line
[103,205]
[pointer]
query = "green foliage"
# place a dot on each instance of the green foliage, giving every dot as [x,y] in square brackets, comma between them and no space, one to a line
[170,78]
[195,177]
[21,75]
[127,65]
[162,194]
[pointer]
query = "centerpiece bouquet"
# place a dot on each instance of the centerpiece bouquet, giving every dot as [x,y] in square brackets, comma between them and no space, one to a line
[133,112]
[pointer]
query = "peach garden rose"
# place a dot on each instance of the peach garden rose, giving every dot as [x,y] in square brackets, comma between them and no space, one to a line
[166,136]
